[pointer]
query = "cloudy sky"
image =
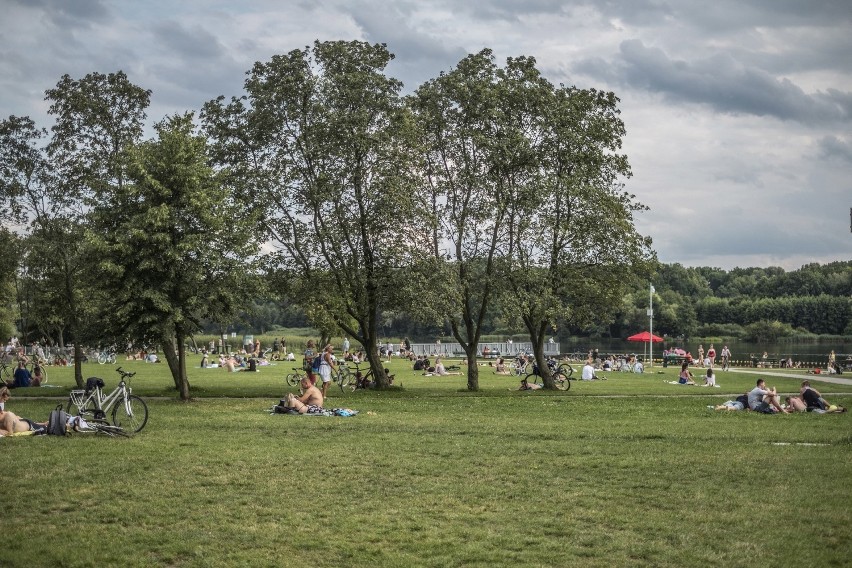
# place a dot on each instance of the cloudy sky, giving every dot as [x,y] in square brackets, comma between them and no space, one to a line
[738,112]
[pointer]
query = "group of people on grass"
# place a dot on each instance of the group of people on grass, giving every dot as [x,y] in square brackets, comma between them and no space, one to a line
[22,377]
[768,401]
[687,378]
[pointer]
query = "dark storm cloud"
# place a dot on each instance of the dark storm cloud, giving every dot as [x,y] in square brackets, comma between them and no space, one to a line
[727,85]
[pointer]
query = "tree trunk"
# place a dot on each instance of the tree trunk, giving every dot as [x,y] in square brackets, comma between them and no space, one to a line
[172,359]
[537,336]
[182,378]
[472,367]
[78,363]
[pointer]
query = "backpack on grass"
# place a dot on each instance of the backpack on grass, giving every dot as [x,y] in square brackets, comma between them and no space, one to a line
[57,422]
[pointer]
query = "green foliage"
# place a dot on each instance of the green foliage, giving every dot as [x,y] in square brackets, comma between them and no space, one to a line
[157,235]
[767,331]
[326,146]
[9,255]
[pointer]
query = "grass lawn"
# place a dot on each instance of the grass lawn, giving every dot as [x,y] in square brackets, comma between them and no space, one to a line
[630,471]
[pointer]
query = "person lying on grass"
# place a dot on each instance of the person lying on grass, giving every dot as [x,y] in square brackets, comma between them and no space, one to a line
[11,423]
[311,400]
[761,399]
[815,402]
[739,403]
[525,386]
[795,404]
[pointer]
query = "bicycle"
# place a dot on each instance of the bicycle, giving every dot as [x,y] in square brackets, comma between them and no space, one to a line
[7,366]
[293,379]
[560,373]
[42,367]
[344,377]
[107,356]
[128,410]
[520,366]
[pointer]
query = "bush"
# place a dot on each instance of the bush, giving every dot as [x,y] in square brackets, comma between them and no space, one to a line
[767,331]
[717,330]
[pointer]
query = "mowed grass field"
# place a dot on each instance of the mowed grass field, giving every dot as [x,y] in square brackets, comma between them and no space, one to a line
[629,471]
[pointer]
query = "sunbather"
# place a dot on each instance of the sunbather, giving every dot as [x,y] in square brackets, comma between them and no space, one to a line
[309,403]
[11,423]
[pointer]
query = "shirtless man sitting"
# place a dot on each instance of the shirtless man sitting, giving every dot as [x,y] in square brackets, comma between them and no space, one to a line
[311,400]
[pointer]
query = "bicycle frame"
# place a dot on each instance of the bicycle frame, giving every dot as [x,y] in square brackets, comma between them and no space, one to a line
[103,403]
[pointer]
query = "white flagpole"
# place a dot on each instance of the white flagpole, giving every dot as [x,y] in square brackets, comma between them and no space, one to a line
[651,326]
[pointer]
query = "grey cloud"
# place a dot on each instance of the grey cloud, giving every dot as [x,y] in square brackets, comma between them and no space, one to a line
[511,9]
[728,86]
[727,15]
[194,43]
[65,14]
[418,54]
[833,148]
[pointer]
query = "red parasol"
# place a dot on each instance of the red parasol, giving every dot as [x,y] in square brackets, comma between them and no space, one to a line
[645,337]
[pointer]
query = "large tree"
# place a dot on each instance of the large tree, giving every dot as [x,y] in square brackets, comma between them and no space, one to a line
[53,286]
[50,183]
[174,245]
[573,245]
[323,141]
[476,146]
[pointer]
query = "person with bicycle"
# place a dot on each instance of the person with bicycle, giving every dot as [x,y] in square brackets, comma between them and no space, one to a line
[326,368]
[21,378]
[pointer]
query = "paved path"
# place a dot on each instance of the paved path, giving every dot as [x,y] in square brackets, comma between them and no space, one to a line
[834,379]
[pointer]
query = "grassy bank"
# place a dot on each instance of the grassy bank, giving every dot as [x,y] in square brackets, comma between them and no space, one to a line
[434,476]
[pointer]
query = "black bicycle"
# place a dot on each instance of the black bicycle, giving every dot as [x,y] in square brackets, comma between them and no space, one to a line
[561,374]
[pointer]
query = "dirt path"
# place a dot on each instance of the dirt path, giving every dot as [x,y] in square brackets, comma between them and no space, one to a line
[833,379]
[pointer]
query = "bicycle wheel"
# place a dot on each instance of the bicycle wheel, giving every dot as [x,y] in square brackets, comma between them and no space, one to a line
[293,379]
[561,381]
[87,410]
[532,379]
[344,377]
[134,420]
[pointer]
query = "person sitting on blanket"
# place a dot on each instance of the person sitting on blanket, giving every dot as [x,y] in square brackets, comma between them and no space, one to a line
[441,370]
[685,377]
[311,400]
[11,423]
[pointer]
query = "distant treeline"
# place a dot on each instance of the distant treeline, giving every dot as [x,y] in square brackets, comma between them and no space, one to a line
[750,303]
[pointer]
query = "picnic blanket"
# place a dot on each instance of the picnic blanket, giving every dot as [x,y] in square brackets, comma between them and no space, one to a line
[342,412]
